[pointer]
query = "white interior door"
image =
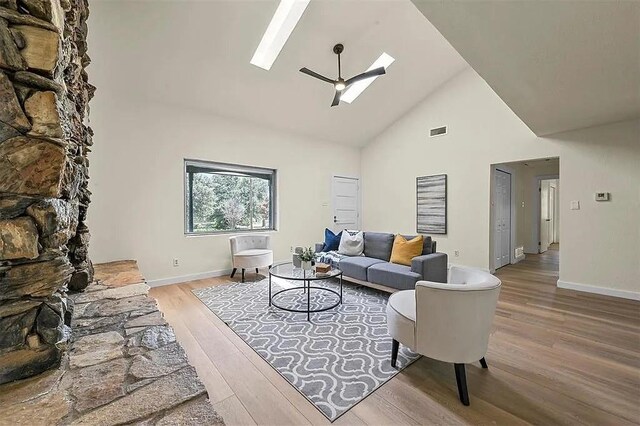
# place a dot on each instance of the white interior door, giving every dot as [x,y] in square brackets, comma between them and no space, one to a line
[346,203]
[545,220]
[502,219]
[556,213]
[552,214]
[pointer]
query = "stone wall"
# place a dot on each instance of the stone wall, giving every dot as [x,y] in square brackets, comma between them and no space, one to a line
[44,141]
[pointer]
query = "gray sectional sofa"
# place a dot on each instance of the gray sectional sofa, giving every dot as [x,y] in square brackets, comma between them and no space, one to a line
[374,269]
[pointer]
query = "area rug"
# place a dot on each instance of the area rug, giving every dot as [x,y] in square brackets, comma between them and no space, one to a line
[336,359]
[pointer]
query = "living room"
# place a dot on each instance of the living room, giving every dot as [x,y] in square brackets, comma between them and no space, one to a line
[202,151]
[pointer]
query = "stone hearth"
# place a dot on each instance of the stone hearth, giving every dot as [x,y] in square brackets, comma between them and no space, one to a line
[44,142]
[124,365]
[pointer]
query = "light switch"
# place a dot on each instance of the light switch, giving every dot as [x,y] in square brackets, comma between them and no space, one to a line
[575,205]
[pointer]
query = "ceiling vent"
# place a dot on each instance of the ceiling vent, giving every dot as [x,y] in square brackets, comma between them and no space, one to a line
[438,131]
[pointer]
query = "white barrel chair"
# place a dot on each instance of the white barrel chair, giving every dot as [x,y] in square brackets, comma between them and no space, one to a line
[450,322]
[250,252]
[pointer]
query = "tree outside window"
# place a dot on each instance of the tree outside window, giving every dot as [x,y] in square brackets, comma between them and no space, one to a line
[223,198]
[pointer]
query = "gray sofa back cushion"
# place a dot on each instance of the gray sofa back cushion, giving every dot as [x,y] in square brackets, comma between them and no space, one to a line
[428,245]
[378,245]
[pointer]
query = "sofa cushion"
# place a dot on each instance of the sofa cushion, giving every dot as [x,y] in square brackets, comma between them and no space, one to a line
[392,275]
[404,250]
[427,243]
[378,245]
[331,240]
[356,267]
[351,243]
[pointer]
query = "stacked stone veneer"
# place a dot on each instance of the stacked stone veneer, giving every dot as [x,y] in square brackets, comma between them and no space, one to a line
[124,365]
[44,142]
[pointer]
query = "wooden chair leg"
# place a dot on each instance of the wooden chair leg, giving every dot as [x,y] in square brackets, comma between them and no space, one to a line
[242,274]
[461,379]
[483,363]
[395,345]
[233,272]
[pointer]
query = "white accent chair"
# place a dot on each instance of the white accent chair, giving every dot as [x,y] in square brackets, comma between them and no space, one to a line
[450,322]
[250,251]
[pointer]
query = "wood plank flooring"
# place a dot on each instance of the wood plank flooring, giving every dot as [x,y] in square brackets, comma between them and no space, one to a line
[555,357]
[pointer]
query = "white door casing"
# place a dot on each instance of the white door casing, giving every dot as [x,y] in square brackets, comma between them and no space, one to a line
[345,203]
[502,219]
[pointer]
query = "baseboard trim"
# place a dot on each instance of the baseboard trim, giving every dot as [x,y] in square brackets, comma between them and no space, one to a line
[186,278]
[624,294]
[192,277]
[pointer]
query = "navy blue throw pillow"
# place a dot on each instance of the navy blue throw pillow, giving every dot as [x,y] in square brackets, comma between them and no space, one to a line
[331,240]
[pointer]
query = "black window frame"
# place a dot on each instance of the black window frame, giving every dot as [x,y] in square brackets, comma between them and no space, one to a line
[191,166]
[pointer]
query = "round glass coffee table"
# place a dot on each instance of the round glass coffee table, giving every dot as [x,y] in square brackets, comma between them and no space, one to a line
[287,271]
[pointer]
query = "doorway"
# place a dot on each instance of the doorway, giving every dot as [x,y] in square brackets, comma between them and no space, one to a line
[345,203]
[549,222]
[524,216]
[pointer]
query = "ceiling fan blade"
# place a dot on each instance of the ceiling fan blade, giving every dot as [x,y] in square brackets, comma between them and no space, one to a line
[316,75]
[336,98]
[373,73]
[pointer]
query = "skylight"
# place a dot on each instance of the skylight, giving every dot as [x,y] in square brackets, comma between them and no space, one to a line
[280,28]
[355,89]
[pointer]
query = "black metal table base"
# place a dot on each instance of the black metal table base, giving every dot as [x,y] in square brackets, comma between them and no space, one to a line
[306,288]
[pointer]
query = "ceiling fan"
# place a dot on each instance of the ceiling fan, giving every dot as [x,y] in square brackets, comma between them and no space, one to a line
[341,84]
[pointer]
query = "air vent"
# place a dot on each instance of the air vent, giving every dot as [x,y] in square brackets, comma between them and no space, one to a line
[438,131]
[519,252]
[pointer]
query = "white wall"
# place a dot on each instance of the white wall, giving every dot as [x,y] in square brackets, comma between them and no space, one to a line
[600,242]
[137,209]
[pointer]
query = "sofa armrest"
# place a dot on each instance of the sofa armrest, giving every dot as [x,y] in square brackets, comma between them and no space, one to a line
[319,247]
[432,267]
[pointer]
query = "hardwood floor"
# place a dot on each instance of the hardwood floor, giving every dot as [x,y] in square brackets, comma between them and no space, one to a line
[555,357]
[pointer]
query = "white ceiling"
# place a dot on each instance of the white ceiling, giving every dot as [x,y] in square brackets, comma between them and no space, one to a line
[559,65]
[195,54]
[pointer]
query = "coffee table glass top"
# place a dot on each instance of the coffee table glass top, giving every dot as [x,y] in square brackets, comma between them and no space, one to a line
[287,271]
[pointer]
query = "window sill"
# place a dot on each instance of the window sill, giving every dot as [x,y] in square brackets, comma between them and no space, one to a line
[229,233]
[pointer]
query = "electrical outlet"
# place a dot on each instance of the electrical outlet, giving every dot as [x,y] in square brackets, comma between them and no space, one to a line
[176,262]
[456,253]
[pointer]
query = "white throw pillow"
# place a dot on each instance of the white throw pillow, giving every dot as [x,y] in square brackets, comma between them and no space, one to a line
[351,243]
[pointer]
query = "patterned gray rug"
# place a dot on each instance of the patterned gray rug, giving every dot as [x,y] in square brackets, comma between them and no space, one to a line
[335,360]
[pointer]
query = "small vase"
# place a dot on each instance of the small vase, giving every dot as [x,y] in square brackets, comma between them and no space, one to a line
[306,265]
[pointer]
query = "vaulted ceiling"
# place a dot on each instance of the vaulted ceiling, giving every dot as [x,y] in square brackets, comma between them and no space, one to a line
[559,65]
[195,54]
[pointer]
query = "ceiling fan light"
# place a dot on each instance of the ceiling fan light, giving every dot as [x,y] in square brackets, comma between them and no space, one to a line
[340,85]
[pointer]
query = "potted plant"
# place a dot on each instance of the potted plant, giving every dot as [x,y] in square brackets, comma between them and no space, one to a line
[306,258]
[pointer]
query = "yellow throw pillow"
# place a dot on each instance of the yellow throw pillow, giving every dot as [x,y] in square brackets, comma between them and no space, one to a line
[403,251]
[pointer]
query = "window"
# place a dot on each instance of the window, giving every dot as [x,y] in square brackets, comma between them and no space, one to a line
[227,197]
